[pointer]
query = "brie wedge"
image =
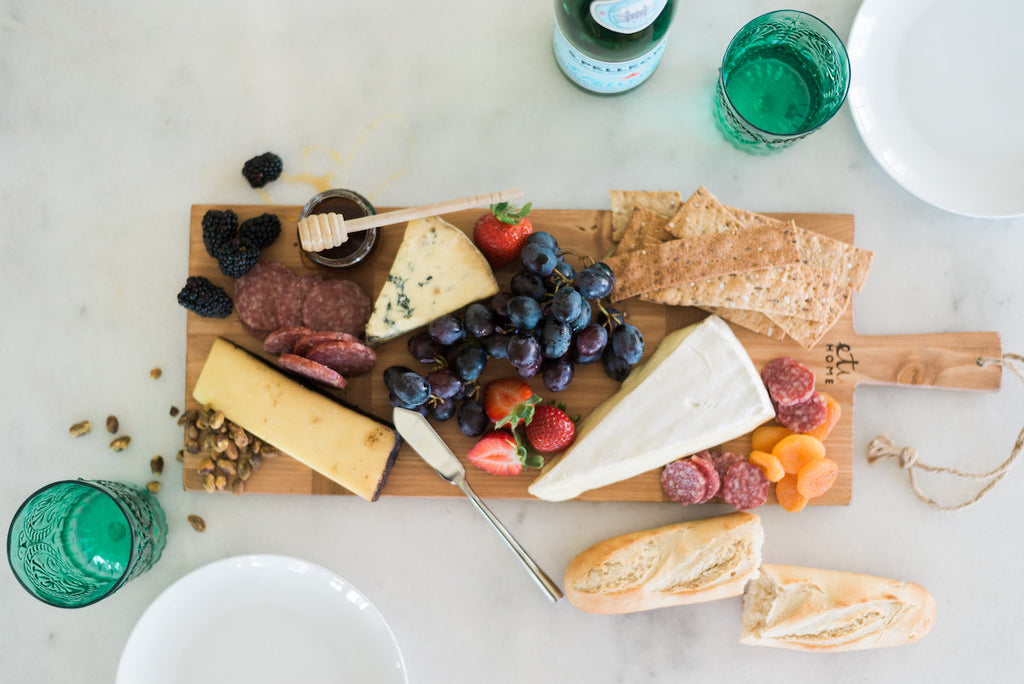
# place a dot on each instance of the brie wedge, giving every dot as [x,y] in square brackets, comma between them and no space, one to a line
[437,270]
[698,390]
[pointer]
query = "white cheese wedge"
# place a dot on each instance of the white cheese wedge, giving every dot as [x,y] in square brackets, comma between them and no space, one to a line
[698,390]
[352,449]
[437,270]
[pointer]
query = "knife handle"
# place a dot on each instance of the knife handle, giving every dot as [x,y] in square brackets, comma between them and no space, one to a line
[539,576]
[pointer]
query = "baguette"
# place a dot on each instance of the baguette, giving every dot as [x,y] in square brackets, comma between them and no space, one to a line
[827,610]
[688,562]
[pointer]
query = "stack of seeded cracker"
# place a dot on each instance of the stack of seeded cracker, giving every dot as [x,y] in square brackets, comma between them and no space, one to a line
[767,275]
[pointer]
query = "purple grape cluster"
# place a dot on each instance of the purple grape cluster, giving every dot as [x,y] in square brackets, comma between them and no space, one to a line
[552,319]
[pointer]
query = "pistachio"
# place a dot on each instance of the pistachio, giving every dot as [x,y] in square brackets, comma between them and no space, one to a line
[180,456]
[80,428]
[256,446]
[155,373]
[206,466]
[153,487]
[256,460]
[237,487]
[188,417]
[192,433]
[216,421]
[220,482]
[112,424]
[120,443]
[220,443]
[227,466]
[175,411]
[231,451]
[209,482]
[192,448]
[197,523]
[239,436]
[156,465]
[244,469]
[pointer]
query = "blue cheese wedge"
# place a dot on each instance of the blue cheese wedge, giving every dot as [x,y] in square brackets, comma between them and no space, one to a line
[698,390]
[437,270]
[354,450]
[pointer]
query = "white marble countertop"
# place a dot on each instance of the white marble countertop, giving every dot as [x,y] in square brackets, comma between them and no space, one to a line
[116,117]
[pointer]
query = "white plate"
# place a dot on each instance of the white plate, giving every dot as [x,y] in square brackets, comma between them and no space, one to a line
[937,97]
[259,619]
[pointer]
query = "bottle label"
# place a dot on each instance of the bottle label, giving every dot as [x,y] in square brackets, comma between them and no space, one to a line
[626,16]
[605,77]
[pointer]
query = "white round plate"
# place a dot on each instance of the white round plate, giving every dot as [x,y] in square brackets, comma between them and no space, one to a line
[937,97]
[261,618]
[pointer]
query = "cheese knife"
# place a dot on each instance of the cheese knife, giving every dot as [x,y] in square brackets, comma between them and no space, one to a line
[421,436]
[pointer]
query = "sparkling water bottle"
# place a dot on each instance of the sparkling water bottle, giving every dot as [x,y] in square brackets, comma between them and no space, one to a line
[610,46]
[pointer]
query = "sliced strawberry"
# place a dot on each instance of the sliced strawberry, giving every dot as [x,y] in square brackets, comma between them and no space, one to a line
[508,401]
[551,429]
[498,453]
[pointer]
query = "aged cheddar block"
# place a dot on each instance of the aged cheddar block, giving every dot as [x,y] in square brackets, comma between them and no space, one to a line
[437,270]
[354,450]
[698,390]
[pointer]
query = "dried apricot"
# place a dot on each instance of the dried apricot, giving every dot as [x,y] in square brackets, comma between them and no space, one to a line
[769,463]
[788,495]
[767,436]
[816,478]
[833,410]
[796,451]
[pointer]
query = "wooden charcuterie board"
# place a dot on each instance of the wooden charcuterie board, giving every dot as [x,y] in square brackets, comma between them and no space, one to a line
[841,361]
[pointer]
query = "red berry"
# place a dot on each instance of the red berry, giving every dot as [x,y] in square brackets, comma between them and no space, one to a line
[497,453]
[501,234]
[550,430]
[510,400]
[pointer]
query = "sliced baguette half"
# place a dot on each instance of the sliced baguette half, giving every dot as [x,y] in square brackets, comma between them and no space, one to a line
[690,562]
[828,610]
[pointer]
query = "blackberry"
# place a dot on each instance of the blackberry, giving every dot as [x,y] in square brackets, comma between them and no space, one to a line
[262,169]
[205,298]
[236,256]
[262,230]
[218,228]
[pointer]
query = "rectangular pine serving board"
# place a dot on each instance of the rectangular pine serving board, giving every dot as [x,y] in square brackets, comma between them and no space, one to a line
[841,361]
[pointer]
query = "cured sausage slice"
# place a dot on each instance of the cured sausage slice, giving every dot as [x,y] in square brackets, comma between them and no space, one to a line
[282,340]
[311,369]
[337,305]
[724,460]
[745,486]
[806,415]
[712,481]
[289,304]
[683,481]
[257,292]
[788,381]
[346,357]
[304,344]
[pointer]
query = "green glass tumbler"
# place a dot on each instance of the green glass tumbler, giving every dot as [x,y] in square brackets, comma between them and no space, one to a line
[784,75]
[75,542]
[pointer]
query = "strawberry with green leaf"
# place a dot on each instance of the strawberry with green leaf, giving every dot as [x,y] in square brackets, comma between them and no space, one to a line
[500,234]
[551,429]
[500,453]
[509,401]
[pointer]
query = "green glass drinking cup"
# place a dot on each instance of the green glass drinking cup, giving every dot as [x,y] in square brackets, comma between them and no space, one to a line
[75,542]
[784,75]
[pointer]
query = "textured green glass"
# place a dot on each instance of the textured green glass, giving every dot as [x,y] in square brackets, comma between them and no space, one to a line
[73,543]
[783,76]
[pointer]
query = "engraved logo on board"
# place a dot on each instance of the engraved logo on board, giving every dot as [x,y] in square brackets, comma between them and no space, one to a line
[839,361]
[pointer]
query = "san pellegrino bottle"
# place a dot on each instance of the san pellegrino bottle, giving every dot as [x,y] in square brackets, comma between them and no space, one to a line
[610,46]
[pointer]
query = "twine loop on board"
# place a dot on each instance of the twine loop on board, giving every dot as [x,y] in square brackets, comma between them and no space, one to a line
[882,447]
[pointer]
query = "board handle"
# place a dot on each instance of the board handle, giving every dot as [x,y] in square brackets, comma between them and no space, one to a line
[940,360]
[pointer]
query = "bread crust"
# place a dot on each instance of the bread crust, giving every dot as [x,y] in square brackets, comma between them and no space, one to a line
[690,562]
[810,609]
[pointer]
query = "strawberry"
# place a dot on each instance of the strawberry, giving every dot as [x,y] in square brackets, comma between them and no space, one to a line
[508,401]
[498,453]
[501,233]
[550,430]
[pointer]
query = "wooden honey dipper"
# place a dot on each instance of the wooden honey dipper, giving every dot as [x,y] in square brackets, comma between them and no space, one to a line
[318,232]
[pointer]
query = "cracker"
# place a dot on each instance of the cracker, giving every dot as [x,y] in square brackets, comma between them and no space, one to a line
[703,214]
[646,229]
[664,203]
[751,320]
[808,333]
[799,290]
[700,257]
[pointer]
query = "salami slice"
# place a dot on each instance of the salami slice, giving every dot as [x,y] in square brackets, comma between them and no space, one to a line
[683,481]
[304,344]
[256,332]
[311,369]
[806,415]
[282,340]
[346,357]
[788,381]
[745,486]
[712,481]
[724,460]
[337,305]
[257,291]
[289,304]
